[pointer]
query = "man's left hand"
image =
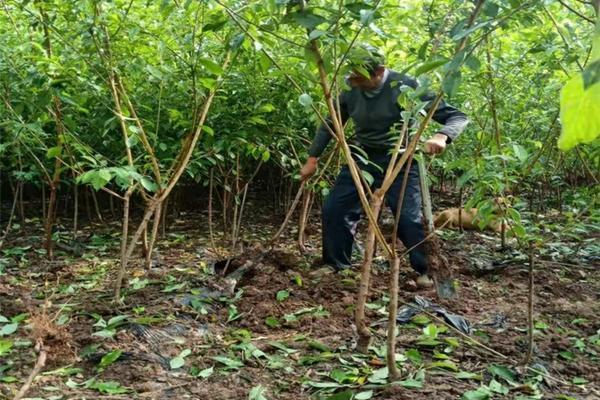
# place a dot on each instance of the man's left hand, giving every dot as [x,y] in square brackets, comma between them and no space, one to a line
[436,145]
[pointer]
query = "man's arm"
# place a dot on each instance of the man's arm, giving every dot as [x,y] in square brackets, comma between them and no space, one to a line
[320,142]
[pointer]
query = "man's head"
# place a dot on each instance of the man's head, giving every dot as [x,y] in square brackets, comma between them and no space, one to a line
[367,65]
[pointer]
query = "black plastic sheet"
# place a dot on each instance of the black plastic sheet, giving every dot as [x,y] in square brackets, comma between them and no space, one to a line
[422,304]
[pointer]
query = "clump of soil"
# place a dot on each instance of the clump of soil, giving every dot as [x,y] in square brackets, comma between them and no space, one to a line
[56,338]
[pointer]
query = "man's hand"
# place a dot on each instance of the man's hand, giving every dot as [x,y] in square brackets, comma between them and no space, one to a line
[436,145]
[309,168]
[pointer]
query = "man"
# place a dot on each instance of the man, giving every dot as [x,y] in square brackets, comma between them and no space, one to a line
[372,104]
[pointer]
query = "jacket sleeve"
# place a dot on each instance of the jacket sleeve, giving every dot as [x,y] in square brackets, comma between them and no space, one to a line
[323,136]
[453,120]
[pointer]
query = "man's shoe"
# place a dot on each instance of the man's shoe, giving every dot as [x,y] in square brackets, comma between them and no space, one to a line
[424,282]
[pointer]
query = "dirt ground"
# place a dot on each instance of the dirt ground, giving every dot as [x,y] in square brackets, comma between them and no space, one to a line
[276,330]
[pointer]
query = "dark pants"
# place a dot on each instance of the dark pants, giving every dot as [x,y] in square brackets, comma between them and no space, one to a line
[342,211]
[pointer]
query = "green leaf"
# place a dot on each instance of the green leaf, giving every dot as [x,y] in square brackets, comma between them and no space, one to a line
[567,355]
[316,34]
[305,100]
[500,371]
[282,295]
[580,381]
[117,321]
[110,358]
[497,387]
[205,373]
[110,387]
[345,395]
[479,394]
[9,329]
[177,362]
[468,375]
[5,346]
[364,395]
[211,66]
[272,322]
[105,333]
[307,19]
[379,376]
[314,344]
[466,32]
[411,384]
[446,364]
[431,330]
[148,184]
[257,393]
[580,106]
[53,152]
[414,356]
[520,152]
[591,74]
[429,65]
[451,83]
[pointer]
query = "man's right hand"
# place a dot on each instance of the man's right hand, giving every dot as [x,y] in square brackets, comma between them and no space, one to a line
[309,168]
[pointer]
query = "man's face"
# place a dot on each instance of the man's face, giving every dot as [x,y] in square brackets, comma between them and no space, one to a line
[360,81]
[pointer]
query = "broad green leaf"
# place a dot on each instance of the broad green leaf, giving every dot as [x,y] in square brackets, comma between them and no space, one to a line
[210,66]
[116,321]
[105,333]
[272,322]
[345,395]
[479,394]
[305,100]
[429,65]
[468,375]
[257,393]
[411,384]
[446,364]
[110,387]
[9,329]
[580,103]
[110,358]
[53,152]
[177,362]
[503,372]
[414,356]
[307,19]
[282,295]
[148,184]
[5,346]
[205,373]
[364,395]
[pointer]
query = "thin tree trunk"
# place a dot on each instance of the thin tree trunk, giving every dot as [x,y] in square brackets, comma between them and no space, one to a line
[56,108]
[88,208]
[43,201]
[111,205]
[364,334]
[12,213]
[163,224]
[392,313]
[530,343]
[76,209]
[124,238]
[21,204]
[96,206]
[303,219]
[152,241]
[210,211]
